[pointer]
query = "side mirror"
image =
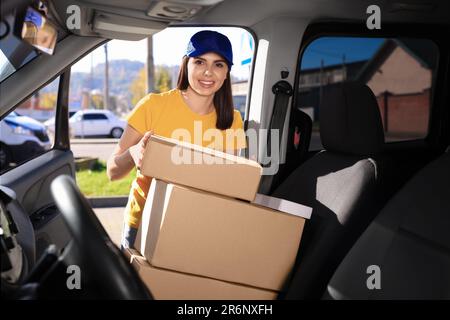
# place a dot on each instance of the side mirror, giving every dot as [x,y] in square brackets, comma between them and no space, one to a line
[38,31]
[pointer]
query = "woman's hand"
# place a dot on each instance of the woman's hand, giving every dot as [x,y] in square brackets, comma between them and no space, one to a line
[122,161]
[137,151]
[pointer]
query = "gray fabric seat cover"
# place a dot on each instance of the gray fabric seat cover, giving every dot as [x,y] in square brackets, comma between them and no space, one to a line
[340,184]
[409,241]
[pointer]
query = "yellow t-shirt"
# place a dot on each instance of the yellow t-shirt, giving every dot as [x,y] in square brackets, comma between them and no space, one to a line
[169,116]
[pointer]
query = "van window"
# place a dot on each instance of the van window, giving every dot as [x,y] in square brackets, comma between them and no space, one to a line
[399,71]
[29,130]
[115,76]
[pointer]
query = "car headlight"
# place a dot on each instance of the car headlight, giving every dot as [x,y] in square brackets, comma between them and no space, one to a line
[22,130]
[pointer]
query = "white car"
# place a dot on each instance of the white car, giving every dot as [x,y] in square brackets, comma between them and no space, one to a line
[50,123]
[93,122]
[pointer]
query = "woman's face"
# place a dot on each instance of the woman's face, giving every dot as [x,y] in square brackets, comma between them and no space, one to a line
[206,73]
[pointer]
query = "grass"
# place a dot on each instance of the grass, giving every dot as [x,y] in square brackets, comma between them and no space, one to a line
[95,182]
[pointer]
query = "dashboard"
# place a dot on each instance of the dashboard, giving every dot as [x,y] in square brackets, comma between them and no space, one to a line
[17,238]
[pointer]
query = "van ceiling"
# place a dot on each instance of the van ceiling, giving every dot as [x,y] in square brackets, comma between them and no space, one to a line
[249,12]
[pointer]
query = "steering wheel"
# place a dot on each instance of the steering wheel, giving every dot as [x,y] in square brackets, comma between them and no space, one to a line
[105,262]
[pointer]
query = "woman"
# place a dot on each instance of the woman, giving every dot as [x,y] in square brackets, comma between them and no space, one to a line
[202,99]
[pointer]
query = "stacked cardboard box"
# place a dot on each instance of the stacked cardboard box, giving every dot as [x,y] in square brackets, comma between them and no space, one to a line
[204,223]
[202,168]
[170,285]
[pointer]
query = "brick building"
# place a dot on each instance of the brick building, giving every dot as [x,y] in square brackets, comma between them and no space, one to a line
[400,76]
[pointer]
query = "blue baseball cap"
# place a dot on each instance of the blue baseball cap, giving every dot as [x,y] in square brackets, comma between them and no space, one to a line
[210,41]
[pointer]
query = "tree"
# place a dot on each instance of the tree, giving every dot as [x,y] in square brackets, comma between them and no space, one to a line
[138,87]
[48,100]
[163,81]
[97,101]
[106,80]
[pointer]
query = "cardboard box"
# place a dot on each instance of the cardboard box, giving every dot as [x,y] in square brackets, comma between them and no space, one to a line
[196,232]
[202,168]
[166,284]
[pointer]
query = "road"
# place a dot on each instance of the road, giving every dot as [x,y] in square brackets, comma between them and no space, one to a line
[110,218]
[97,148]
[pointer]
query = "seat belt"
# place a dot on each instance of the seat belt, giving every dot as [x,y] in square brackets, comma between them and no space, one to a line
[283,91]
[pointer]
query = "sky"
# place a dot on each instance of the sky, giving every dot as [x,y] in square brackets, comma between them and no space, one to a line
[332,50]
[169,47]
[170,44]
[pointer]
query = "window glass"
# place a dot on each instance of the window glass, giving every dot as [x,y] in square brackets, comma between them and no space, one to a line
[117,83]
[29,130]
[399,71]
[94,116]
[114,77]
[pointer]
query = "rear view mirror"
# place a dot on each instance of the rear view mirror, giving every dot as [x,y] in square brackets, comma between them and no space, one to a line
[38,31]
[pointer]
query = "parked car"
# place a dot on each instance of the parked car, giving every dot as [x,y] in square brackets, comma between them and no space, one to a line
[93,122]
[50,123]
[21,138]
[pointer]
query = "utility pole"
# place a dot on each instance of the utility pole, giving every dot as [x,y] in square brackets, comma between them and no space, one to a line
[91,84]
[386,110]
[344,69]
[87,102]
[321,82]
[150,66]
[106,80]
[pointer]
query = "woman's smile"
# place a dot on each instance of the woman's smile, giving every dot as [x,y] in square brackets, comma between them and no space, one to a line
[206,83]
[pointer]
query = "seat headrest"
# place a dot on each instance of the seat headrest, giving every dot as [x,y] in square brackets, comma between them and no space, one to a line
[350,120]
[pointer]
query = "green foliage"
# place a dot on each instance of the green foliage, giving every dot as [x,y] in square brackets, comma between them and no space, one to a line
[162,79]
[95,182]
[138,87]
[97,101]
[48,100]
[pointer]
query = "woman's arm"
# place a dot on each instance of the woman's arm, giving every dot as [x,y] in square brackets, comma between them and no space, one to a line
[121,161]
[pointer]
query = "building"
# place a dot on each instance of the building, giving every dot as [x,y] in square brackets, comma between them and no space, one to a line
[400,76]
[239,90]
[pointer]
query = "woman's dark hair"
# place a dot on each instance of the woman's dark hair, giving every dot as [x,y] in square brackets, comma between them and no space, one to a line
[223,100]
